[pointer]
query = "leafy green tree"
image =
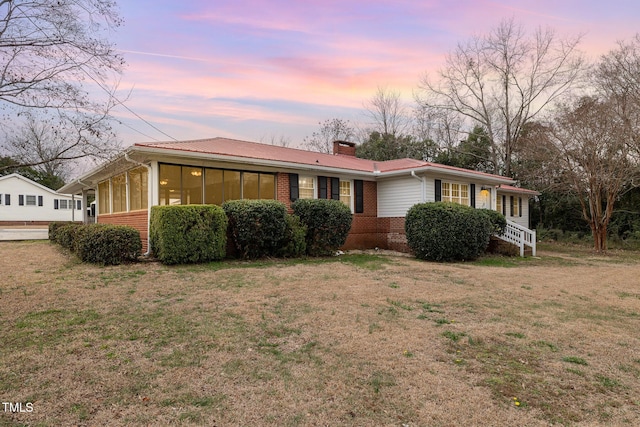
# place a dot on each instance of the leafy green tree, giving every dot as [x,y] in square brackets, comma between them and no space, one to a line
[472,153]
[385,146]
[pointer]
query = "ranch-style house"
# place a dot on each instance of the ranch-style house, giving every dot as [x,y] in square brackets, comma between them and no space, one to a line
[212,171]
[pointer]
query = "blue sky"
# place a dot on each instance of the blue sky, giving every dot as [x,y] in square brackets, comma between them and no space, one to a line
[256,70]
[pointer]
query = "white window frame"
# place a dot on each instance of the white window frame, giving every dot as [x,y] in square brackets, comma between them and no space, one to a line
[351,195]
[314,189]
[26,200]
[458,199]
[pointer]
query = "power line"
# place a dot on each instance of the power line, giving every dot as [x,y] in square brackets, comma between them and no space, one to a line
[111,95]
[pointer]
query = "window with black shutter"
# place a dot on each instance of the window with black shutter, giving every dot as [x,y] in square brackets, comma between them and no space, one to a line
[472,190]
[359,190]
[294,191]
[78,205]
[520,206]
[335,188]
[322,187]
[438,190]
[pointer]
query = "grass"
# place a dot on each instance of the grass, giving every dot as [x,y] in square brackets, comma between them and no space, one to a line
[360,339]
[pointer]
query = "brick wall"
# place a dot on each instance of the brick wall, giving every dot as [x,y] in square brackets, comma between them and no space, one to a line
[137,220]
[367,230]
[282,189]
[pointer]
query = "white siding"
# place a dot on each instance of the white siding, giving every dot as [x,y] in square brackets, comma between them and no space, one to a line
[396,196]
[15,187]
[520,220]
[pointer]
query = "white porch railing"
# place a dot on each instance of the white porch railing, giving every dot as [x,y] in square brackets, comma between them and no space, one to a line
[520,236]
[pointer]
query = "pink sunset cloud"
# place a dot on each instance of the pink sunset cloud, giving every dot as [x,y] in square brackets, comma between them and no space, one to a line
[286,65]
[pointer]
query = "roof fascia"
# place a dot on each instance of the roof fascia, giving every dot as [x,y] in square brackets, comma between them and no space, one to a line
[29,181]
[159,152]
[494,179]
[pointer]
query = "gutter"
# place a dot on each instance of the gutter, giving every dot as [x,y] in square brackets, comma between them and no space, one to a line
[424,185]
[149,199]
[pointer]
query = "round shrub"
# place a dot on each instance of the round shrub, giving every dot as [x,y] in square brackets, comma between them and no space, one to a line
[107,244]
[328,223]
[294,244]
[256,227]
[188,233]
[497,220]
[447,231]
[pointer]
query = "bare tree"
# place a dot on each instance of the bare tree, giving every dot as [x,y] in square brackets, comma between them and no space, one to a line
[273,139]
[587,145]
[48,145]
[388,113]
[53,57]
[502,81]
[330,130]
[617,78]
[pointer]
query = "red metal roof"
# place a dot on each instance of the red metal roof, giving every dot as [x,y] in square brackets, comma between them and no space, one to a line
[512,189]
[254,150]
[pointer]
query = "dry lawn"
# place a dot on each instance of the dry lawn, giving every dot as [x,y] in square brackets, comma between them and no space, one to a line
[359,340]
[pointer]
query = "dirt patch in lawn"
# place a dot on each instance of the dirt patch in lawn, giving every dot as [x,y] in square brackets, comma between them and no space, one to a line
[362,339]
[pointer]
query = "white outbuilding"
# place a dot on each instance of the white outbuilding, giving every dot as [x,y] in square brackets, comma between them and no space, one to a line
[25,202]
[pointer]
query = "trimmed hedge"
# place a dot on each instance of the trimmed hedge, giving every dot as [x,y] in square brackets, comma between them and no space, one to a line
[444,231]
[65,235]
[55,226]
[107,244]
[256,227]
[294,244]
[98,243]
[188,233]
[328,223]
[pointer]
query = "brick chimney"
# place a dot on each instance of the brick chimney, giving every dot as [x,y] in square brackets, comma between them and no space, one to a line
[344,148]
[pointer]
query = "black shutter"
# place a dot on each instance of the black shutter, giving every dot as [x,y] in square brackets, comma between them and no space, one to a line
[40,201]
[56,204]
[504,205]
[511,204]
[7,199]
[335,188]
[359,190]
[21,200]
[520,206]
[322,187]
[294,190]
[438,190]
[472,190]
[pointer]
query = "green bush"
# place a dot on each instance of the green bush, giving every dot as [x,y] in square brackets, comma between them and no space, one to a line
[498,221]
[54,227]
[328,223]
[65,235]
[107,244]
[256,227]
[188,233]
[294,244]
[447,231]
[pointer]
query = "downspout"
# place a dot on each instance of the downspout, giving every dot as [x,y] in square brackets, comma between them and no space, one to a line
[423,188]
[149,198]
